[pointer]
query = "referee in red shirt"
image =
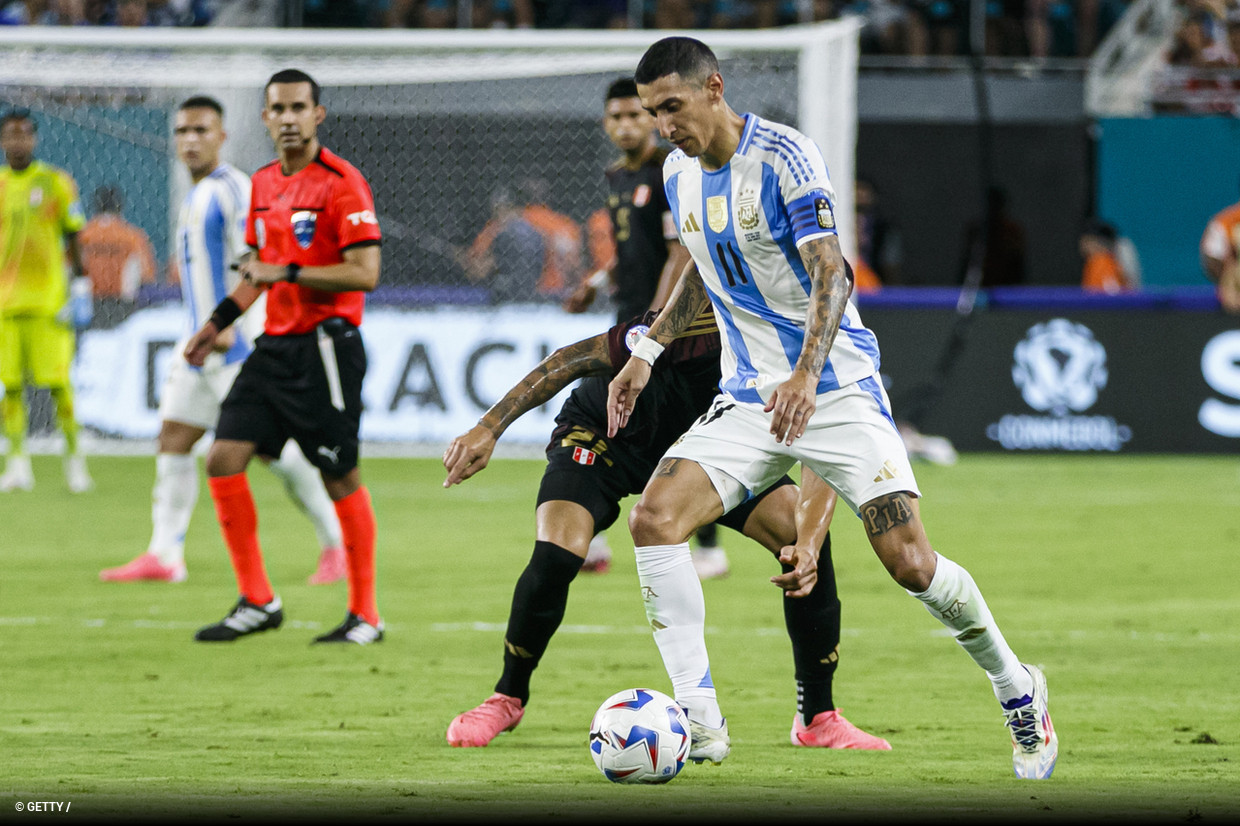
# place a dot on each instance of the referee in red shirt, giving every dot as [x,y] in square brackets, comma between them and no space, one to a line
[316,240]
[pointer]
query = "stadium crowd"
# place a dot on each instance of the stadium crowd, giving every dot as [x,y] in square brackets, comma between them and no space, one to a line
[1014,28]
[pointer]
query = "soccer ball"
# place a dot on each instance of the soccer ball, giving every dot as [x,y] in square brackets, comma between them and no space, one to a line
[639,735]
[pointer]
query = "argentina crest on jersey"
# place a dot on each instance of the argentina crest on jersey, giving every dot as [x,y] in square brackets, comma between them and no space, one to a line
[303,227]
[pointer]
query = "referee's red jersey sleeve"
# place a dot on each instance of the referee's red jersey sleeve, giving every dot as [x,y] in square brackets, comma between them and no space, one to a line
[354,211]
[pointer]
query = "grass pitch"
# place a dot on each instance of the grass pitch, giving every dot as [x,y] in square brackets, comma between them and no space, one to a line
[1117,574]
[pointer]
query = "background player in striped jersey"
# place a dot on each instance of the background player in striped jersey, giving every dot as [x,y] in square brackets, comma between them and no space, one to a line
[40,216]
[587,476]
[649,257]
[210,239]
[800,382]
[315,237]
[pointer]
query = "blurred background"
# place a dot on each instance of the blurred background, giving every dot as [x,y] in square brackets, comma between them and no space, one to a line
[989,159]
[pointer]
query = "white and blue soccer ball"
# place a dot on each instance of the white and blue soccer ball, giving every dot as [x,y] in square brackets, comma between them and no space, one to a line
[639,735]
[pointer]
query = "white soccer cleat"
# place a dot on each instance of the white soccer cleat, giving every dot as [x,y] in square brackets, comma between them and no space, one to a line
[18,475]
[710,563]
[76,475]
[598,558]
[708,743]
[1035,746]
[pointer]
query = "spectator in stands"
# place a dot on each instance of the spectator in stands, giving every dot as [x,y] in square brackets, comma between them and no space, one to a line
[1003,257]
[562,264]
[878,242]
[42,13]
[1220,256]
[507,256]
[443,14]
[132,13]
[116,254]
[1103,271]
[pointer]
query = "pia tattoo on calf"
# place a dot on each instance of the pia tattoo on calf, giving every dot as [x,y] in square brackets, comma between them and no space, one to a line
[887,513]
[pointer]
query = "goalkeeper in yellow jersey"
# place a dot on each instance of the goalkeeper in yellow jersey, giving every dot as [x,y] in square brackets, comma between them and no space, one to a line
[39,220]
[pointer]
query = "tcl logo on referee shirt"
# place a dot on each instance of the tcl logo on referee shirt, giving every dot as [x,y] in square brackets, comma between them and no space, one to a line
[363,217]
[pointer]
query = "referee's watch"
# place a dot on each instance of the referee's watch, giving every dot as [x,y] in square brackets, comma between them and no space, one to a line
[292,272]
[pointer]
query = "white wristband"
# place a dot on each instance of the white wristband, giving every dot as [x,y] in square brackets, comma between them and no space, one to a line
[598,279]
[647,349]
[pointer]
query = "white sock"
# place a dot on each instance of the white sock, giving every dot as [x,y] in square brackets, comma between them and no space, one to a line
[304,485]
[172,504]
[954,600]
[677,613]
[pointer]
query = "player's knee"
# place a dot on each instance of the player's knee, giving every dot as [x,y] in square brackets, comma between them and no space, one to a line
[653,524]
[912,567]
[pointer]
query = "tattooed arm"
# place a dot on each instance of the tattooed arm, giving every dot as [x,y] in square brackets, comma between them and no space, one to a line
[793,402]
[470,452]
[687,301]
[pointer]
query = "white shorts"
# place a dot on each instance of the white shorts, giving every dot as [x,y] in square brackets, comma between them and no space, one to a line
[192,395]
[851,442]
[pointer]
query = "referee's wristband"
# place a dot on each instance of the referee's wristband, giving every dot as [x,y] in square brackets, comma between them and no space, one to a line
[225,313]
[647,349]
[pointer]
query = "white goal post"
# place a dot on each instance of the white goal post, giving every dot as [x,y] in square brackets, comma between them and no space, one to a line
[435,120]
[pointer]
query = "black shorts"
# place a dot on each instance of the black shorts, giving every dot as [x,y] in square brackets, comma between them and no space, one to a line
[590,471]
[306,387]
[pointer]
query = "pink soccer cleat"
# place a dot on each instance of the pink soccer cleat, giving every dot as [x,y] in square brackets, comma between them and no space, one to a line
[332,567]
[480,726]
[145,568]
[829,730]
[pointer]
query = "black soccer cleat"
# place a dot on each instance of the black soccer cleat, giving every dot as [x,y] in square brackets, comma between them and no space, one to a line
[245,618]
[354,629]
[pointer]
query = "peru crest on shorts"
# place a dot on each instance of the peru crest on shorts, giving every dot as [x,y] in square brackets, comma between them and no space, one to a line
[303,227]
[584,457]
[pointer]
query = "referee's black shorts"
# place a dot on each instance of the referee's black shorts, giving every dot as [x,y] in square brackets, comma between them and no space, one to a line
[596,473]
[306,387]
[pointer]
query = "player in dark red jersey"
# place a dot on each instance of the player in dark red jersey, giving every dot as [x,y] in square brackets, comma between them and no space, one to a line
[316,240]
[649,258]
[587,476]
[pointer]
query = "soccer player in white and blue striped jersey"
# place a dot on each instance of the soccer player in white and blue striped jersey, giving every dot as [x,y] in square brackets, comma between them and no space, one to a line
[755,207]
[210,240]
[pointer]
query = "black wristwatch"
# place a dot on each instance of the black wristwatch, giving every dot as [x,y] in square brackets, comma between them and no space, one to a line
[292,272]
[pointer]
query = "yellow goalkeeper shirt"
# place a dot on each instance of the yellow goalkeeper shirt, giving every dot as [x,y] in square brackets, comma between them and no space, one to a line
[38,207]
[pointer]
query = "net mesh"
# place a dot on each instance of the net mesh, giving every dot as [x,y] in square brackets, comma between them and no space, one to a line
[443,127]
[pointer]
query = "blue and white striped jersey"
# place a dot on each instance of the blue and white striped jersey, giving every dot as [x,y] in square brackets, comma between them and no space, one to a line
[210,239]
[744,225]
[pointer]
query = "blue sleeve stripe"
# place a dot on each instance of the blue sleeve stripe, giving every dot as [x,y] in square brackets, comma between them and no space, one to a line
[761,143]
[793,148]
[213,229]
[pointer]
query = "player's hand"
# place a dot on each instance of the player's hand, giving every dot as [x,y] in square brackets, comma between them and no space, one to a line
[581,299]
[792,404]
[224,340]
[469,453]
[622,393]
[260,272]
[201,345]
[801,580]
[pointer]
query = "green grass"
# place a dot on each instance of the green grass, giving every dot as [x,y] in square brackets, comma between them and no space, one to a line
[1117,574]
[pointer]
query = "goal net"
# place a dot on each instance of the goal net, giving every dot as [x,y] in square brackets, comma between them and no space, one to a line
[444,125]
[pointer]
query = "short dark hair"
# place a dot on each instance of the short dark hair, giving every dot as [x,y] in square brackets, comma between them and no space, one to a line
[1102,230]
[294,76]
[202,102]
[684,56]
[623,87]
[109,199]
[18,113]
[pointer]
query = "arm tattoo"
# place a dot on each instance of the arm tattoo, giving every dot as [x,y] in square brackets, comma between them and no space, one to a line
[687,301]
[553,374]
[828,298]
[886,513]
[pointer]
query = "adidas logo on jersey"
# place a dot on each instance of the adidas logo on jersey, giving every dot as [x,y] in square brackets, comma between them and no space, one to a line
[690,225]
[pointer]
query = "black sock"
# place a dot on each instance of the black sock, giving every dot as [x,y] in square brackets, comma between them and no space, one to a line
[537,608]
[813,623]
[708,536]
